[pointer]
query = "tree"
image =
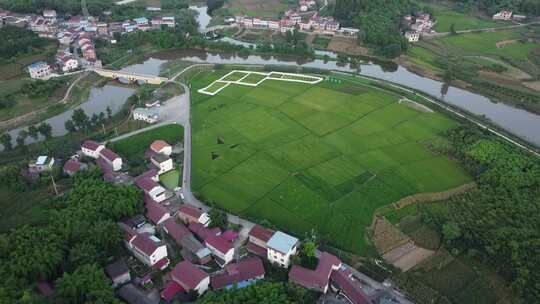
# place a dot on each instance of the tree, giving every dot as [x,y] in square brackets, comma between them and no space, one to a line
[451,231]
[5,139]
[217,218]
[70,126]
[21,138]
[109,112]
[87,284]
[80,119]
[33,132]
[453,29]
[45,129]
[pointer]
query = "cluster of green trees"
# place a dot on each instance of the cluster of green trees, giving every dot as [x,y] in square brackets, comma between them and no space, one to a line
[44,129]
[527,7]
[19,41]
[500,220]
[72,248]
[71,7]
[80,121]
[378,21]
[214,5]
[42,88]
[262,293]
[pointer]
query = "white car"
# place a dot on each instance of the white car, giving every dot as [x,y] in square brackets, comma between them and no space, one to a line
[182,195]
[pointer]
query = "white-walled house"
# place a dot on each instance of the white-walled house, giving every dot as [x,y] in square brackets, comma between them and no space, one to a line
[111,158]
[146,115]
[190,277]
[221,249]
[162,162]
[91,148]
[145,247]
[191,214]
[151,188]
[161,146]
[280,247]
[38,70]
[42,163]
[503,15]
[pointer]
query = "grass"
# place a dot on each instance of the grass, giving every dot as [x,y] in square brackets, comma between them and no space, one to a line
[321,42]
[447,17]
[23,208]
[256,8]
[170,179]
[322,156]
[135,145]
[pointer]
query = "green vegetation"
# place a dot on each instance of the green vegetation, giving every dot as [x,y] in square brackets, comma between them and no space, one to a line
[135,145]
[461,21]
[72,7]
[321,42]
[72,246]
[261,292]
[170,179]
[314,156]
[256,8]
[19,41]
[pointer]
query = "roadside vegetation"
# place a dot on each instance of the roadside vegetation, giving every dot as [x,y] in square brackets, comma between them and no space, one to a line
[264,153]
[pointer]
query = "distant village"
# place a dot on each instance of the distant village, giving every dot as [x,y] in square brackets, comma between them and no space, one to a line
[305,17]
[423,23]
[76,35]
[211,258]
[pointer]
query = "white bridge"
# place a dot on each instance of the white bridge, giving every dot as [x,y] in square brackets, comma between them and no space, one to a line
[132,77]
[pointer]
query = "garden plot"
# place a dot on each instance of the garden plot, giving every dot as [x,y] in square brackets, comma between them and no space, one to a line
[253,79]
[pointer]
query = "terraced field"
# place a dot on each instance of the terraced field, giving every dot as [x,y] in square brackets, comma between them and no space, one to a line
[322,156]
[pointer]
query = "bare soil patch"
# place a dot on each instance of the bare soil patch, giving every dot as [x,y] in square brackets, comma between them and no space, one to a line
[503,43]
[535,85]
[347,45]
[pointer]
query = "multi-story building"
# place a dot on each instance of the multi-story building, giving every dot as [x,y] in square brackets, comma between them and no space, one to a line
[39,70]
[221,249]
[91,148]
[280,248]
[111,158]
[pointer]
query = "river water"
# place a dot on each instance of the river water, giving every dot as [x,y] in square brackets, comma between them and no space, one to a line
[98,100]
[519,122]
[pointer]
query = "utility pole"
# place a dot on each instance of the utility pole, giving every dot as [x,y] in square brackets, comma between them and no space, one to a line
[54,185]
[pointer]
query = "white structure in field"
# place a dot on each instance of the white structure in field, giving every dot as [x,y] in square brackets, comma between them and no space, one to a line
[91,148]
[280,247]
[161,146]
[43,163]
[503,15]
[146,115]
[38,70]
[162,162]
[412,36]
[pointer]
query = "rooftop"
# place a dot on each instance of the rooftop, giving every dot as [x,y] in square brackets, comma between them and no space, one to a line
[261,233]
[187,275]
[176,230]
[117,269]
[247,269]
[219,243]
[315,279]
[191,210]
[108,154]
[282,242]
[155,211]
[159,144]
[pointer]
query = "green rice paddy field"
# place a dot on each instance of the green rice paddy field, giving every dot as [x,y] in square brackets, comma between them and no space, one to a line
[322,156]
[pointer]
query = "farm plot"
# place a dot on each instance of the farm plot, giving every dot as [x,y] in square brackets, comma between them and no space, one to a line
[313,155]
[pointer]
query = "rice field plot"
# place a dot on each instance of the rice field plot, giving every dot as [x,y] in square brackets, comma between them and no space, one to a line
[313,155]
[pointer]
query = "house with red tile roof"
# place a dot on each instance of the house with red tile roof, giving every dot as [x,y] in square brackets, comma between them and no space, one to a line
[91,148]
[317,279]
[73,166]
[202,232]
[151,188]
[111,158]
[171,291]
[258,236]
[190,277]
[350,288]
[239,275]
[161,147]
[192,214]
[145,247]
[221,249]
[156,212]
[192,249]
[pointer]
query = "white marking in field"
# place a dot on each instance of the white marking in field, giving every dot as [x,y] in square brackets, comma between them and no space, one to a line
[290,77]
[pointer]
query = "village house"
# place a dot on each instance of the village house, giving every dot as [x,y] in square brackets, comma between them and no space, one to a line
[280,248]
[162,162]
[76,22]
[72,166]
[145,247]
[118,272]
[141,21]
[191,214]
[66,61]
[111,158]
[342,279]
[222,250]
[190,277]
[503,15]
[161,146]
[202,232]
[318,279]
[39,69]
[42,164]
[147,115]
[151,188]
[156,212]
[50,15]
[258,237]
[192,249]
[239,275]
[91,148]
[133,295]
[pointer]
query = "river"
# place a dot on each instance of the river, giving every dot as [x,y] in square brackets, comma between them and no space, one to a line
[98,100]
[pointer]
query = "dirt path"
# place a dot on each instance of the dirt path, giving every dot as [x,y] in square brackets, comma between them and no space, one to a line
[13,121]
